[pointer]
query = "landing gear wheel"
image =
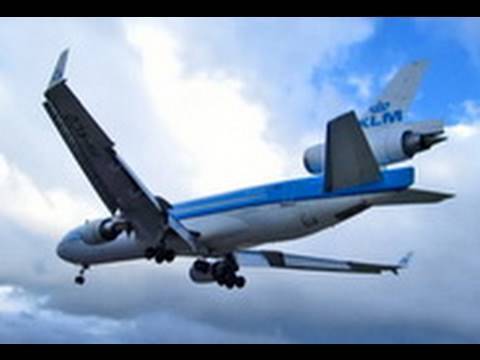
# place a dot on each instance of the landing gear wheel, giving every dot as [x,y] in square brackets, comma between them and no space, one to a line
[159,257]
[80,279]
[169,255]
[150,253]
[221,281]
[223,272]
[230,280]
[240,282]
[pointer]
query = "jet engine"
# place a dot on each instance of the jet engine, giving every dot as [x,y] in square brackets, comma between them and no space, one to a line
[222,272]
[102,231]
[390,144]
[201,272]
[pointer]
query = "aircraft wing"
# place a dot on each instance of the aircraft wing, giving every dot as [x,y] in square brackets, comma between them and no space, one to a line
[276,259]
[113,180]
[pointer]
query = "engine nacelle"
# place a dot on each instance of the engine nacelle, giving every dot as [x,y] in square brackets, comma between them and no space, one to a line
[102,231]
[201,275]
[390,144]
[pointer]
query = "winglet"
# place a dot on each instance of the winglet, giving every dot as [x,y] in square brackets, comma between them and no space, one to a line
[59,72]
[403,263]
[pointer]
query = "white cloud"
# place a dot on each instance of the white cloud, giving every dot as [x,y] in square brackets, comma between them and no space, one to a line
[471,111]
[362,84]
[218,131]
[277,59]
[464,130]
[51,212]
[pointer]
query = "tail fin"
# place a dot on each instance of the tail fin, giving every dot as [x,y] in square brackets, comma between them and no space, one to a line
[394,103]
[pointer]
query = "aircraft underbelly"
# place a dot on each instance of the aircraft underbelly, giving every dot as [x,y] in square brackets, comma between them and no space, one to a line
[253,226]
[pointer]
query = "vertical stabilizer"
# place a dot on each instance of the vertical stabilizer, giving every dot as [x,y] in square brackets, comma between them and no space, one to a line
[394,102]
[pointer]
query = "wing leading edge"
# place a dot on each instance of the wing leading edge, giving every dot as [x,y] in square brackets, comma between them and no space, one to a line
[116,184]
[276,259]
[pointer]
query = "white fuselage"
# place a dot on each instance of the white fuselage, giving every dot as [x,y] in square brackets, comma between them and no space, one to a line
[228,231]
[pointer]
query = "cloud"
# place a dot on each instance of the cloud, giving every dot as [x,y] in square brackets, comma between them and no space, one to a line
[471,112]
[363,85]
[26,319]
[284,64]
[50,212]
[251,105]
[217,130]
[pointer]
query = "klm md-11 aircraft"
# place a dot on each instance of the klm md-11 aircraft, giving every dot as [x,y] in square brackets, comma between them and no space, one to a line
[349,174]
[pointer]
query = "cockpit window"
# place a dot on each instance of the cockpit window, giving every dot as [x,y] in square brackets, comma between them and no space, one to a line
[73,236]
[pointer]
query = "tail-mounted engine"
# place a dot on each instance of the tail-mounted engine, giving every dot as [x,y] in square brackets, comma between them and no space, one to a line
[390,144]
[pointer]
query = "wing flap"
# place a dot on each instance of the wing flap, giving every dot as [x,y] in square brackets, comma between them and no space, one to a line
[276,259]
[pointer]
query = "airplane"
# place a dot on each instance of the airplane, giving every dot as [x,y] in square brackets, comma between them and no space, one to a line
[348,174]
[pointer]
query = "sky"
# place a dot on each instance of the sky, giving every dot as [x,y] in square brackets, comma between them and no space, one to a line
[201,106]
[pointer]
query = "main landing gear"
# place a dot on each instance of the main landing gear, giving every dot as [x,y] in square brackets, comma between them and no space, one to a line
[223,272]
[80,279]
[160,254]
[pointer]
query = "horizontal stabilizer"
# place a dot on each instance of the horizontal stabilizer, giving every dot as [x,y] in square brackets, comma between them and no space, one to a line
[412,196]
[349,159]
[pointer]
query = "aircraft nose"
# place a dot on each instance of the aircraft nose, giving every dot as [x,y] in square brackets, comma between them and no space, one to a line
[65,249]
[62,251]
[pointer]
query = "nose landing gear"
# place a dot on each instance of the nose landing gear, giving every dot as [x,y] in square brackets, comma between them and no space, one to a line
[80,278]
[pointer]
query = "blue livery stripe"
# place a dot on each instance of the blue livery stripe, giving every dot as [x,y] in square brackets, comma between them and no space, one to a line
[288,191]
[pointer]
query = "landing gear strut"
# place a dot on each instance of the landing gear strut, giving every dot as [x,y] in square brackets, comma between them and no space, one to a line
[80,279]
